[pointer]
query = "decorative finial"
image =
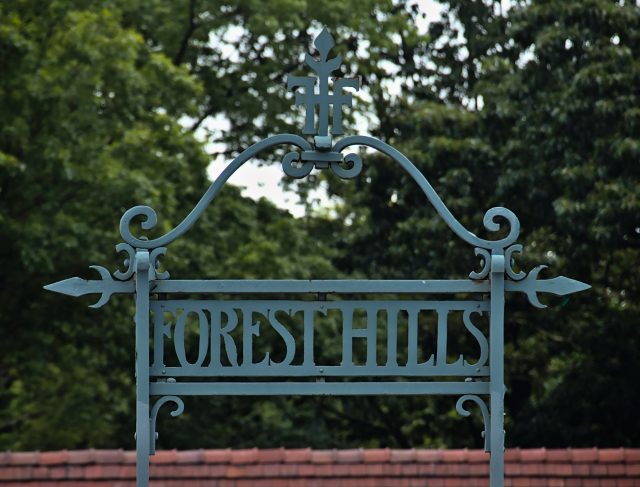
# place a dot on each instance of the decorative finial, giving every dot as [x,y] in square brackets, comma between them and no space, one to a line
[323,43]
[323,99]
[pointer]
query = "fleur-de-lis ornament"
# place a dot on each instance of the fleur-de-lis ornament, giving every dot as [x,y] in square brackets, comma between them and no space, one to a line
[323,99]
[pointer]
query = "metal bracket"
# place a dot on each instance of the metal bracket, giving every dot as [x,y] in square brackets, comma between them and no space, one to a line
[153,435]
[486,418]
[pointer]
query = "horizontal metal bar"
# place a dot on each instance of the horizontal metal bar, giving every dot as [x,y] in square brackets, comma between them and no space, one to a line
[321,286]
[450,370]
[263,305]
[321,156]
[530,286]
[316,388]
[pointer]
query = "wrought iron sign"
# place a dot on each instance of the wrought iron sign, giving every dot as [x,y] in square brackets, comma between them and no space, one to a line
[228,328]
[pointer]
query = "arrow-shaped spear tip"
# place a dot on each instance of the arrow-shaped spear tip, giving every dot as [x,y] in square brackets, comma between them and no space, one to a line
[560,286]
[581,286]
[74,286]
[565,285]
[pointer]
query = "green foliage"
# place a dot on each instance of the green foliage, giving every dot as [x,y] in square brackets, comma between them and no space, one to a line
[256,44]
[94,100]
[82,100]
[540,117]
[534,108]
[570,151]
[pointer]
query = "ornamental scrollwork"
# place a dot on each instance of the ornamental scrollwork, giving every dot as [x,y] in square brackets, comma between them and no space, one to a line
[129,262]
[526,283]
[107,285]
[309,160]
[299,165]
[324,120]
[485,262]
[154,257]
[509,262]
[148,218]
[323,98]
[485,415]
[153,435]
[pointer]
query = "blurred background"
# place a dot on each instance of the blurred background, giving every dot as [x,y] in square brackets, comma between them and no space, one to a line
[533,105]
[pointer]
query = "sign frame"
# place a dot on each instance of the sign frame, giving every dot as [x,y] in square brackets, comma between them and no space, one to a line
[143,279]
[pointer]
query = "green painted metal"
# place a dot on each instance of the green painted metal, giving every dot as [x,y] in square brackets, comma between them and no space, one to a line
[317,388]
[219,356]
[142,273]
[217,320]
[531,286]
[496,366]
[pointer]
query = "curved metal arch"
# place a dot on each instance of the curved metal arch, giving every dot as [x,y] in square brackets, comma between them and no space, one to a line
[151,219]
[489,220]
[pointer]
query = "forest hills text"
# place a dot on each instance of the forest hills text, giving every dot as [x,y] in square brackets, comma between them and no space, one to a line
[307,338]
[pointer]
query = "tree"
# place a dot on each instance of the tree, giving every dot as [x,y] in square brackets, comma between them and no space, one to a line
[82,100]
[571,103]
[105,105]
[94,101]
[552,138]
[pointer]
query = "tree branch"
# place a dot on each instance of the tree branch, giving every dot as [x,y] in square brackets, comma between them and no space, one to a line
[208,112]
[187,35]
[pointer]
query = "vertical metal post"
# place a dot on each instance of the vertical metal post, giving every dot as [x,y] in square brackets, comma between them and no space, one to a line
[496,366]
[142,368]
